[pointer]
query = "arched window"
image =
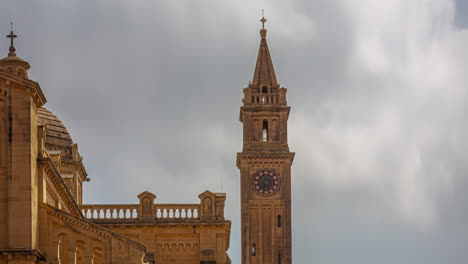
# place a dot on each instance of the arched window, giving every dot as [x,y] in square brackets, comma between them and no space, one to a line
[265,130]
[62,248]
[278,221]
[254,250]
[264,89]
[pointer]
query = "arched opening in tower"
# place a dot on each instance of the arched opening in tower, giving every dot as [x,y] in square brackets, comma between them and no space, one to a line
[265,130]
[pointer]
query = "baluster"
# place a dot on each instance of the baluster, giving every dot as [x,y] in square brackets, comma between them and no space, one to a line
[183,213]
[189,213]
[127,213]
[158,213]
[164,213]
[171,213]
[195,213]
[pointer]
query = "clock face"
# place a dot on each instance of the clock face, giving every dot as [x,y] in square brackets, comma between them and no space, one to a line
[266,182]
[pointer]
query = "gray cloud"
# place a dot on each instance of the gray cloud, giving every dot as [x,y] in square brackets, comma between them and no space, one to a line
[151,92]
[461,14]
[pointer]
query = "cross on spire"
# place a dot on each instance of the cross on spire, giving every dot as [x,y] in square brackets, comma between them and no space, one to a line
[263,20]
[264,72]
[12,36]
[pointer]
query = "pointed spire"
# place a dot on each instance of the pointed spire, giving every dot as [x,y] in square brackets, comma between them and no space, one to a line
[12,36]
[264,72]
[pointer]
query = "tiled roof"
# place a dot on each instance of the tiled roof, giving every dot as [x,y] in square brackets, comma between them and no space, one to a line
[56,132]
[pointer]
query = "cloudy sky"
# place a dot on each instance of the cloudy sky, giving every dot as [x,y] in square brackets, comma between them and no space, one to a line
[151,91]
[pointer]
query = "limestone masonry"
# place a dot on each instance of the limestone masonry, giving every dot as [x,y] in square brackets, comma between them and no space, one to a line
[43,218]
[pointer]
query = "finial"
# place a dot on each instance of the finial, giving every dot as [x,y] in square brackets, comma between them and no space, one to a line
[263,20]
[12,36]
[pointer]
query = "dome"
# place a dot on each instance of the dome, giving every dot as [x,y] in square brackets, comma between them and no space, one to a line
[57,136]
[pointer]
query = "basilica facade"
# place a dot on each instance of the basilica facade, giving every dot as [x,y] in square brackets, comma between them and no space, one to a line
[43,218]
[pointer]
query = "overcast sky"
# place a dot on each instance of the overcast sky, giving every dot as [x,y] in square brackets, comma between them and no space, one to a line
[151,91]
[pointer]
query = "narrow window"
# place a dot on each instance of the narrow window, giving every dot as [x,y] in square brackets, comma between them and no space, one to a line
[279,221]
[254,250]
[279,258]
[264,89]
[265,130]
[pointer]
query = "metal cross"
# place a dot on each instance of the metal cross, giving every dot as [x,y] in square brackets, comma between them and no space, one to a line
[263,20]
[12,36]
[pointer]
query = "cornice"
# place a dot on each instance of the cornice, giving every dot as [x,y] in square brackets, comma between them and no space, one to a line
[20,254]
[76,164]
[88,225]
[262,108]
[28,85]
[60,185]
[162,223]
[265,157]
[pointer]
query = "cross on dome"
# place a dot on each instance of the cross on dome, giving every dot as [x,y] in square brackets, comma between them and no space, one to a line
[12,36]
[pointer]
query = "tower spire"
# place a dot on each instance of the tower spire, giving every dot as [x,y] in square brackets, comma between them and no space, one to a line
[265,166]
[12,36]
[264,74]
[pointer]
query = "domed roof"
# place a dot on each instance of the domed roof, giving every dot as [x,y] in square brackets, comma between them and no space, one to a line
[57,136]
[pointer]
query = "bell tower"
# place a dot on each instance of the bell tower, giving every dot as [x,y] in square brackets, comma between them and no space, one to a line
[265,166]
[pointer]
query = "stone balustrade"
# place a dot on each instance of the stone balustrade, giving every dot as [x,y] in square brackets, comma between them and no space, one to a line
[253,96]
[265,99]
[110,211]
[211,207]
[177,211]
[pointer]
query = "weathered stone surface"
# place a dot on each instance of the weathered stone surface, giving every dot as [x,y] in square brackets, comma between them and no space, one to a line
[42,218]
[265,167]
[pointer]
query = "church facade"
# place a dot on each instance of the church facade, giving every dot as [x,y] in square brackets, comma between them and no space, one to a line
[43,218]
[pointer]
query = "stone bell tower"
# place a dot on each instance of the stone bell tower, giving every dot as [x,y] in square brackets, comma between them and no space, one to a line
[265,166]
